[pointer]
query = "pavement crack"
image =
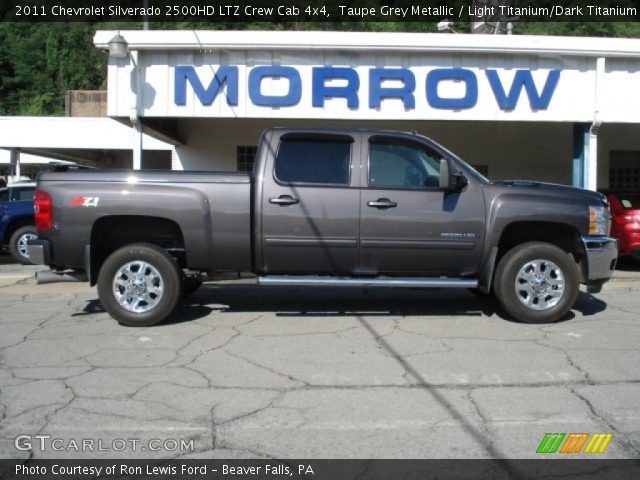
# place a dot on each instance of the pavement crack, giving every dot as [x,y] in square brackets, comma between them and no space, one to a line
[268,369]
[620,437]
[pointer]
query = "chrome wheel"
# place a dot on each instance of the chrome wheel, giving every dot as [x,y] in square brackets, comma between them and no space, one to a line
[22,243]
[540,284]
[138,286]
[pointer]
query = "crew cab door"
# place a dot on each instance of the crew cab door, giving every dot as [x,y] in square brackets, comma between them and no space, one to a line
[310,204]
[408,225]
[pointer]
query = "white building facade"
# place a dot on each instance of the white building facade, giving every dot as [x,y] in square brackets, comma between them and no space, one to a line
[558,109]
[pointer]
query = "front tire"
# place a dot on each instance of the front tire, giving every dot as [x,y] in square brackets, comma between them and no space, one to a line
[18,243]
[139,285]
[536,282]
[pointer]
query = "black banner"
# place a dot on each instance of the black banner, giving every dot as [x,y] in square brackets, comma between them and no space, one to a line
[321,11]
[319,469]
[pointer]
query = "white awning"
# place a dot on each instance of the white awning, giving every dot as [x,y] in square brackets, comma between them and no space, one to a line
[71,133]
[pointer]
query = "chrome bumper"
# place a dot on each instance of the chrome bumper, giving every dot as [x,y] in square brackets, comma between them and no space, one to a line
[601,256]
[39,252]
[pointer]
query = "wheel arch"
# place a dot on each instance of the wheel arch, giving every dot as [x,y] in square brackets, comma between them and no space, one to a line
[16,223]
[111,232]
[562,235]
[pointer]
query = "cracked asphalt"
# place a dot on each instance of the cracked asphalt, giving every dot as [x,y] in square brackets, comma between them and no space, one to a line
[316,373]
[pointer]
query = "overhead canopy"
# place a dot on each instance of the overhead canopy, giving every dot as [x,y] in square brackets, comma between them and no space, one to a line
[75,133]
[184,40]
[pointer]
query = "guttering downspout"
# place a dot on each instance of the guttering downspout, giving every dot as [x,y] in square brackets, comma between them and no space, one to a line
[591,172]
[134,112]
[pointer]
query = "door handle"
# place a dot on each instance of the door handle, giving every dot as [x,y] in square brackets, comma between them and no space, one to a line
[382,203]
[284,200]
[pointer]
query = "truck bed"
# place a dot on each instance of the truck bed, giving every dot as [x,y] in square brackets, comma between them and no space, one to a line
[211,209]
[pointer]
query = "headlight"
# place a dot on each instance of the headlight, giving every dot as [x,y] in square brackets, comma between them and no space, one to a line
[599,221]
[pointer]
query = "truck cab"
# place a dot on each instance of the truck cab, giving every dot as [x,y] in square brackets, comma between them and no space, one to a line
[364,203]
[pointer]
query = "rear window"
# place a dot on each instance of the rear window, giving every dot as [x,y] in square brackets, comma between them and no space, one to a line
[4,195]
[23,193]
[314,160]
[630,202]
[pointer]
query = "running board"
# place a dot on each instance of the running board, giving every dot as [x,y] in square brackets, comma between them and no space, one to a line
[415,282]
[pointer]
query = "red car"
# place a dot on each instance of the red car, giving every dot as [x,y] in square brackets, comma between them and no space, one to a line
[625,222]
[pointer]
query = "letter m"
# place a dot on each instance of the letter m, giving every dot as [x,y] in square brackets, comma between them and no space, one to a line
[523,79]
[550,443]
[225,74]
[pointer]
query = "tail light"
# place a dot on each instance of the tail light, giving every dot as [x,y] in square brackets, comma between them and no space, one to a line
[626,218]
[43,210]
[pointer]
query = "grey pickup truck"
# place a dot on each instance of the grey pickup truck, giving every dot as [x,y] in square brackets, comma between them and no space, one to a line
[325,207]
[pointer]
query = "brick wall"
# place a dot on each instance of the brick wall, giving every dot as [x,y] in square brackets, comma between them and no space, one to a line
[85,103]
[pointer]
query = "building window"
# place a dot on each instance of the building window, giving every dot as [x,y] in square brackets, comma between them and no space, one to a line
[624,170]
[245,157]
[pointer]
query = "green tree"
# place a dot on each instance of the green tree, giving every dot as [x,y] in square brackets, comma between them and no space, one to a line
[41,61]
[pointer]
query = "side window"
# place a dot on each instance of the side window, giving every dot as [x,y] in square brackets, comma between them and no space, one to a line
[314,160]
[4,195]
[396,163]
[24,194]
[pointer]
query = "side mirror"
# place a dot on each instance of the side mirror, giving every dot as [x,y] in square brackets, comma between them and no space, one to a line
[445,177]
[451,181]
[460,182]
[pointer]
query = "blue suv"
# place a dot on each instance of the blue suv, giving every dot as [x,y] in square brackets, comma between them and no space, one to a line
[16,219]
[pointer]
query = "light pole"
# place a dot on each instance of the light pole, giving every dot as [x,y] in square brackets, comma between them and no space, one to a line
[119,48]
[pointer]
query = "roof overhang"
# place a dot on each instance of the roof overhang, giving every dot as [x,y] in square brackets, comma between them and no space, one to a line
[41,134]
[373,41]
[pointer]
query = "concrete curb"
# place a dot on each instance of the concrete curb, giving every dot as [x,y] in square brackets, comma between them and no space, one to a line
[19,280]
[626,278]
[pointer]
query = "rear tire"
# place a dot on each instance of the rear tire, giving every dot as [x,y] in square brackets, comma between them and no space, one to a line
[18,243]
[536,282]
[139,285]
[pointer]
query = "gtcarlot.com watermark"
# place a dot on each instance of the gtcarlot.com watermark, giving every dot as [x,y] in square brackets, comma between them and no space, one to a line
[45,442]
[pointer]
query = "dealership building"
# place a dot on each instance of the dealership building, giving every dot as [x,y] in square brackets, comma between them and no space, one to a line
[557,109]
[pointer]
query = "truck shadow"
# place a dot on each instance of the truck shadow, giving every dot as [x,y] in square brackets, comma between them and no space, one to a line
[330,302]
[336,302]
[184,313]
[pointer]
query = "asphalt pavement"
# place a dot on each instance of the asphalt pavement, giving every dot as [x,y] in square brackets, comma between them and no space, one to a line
[243,371]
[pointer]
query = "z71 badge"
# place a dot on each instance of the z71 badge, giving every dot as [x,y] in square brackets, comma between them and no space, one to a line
[84,201]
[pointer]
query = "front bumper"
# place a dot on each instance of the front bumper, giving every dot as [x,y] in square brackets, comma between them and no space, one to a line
[39,252]
[600,261]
